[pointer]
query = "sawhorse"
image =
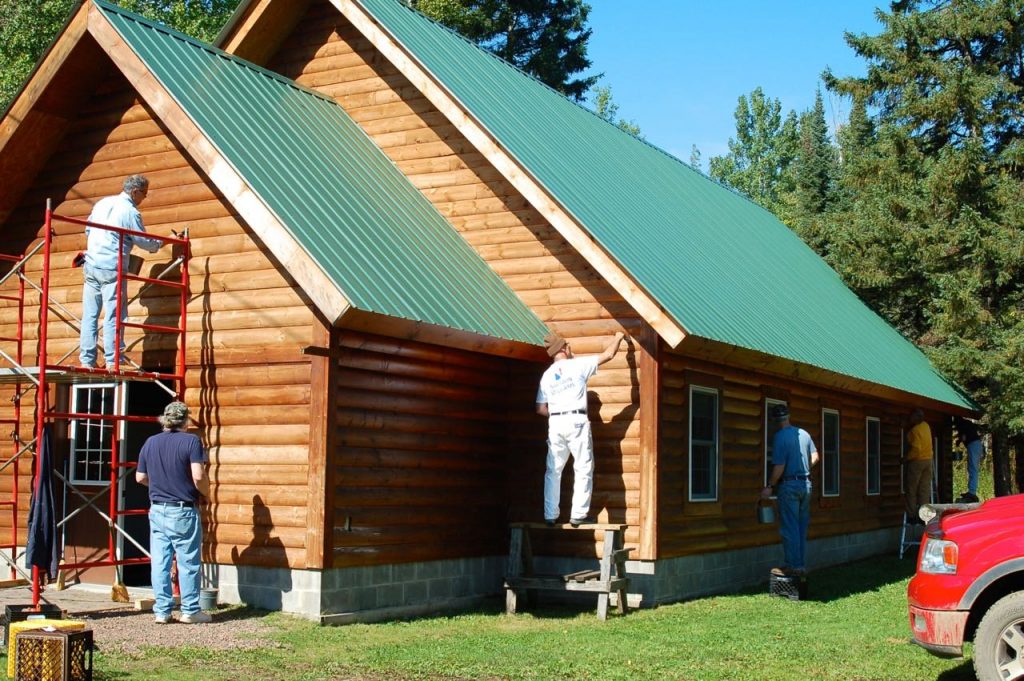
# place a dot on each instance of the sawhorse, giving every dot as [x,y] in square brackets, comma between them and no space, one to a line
[610,578]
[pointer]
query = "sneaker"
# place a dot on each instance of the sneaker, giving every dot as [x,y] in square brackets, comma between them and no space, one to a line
[550,522]
[162,619]
[196,617]
[589,520]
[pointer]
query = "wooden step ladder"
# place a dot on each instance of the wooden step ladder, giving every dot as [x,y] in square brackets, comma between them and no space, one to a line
[608,579]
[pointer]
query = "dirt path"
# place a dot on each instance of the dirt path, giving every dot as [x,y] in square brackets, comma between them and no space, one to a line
[121,628]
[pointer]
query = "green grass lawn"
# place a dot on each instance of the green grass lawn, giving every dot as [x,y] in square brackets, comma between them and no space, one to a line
[853,626]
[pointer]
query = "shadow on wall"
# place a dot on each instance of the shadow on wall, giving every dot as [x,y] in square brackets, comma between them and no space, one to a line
[254,587]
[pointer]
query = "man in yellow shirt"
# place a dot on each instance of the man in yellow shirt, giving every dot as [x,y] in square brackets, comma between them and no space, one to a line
[919,465]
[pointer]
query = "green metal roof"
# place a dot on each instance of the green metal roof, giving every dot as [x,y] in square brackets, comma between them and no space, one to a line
[370,230]
[723,267]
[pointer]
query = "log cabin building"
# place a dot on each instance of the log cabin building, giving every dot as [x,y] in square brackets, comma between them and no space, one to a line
[385,220]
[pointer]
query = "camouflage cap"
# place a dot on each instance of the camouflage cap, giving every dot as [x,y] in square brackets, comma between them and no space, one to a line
[175,414]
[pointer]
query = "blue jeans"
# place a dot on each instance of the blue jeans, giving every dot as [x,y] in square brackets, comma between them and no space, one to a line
[794,518]
[175,531]
[100,285]
[975,450]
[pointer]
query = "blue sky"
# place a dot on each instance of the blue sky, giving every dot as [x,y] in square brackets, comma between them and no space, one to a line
[677,67]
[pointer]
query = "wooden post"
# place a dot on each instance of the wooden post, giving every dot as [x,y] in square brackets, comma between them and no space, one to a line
[515,567]
[606,571]
[650,380]
[319,510]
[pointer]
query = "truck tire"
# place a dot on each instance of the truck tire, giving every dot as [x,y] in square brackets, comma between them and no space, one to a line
[999,641]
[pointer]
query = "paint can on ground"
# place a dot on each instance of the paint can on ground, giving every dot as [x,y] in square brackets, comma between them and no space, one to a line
[207,599]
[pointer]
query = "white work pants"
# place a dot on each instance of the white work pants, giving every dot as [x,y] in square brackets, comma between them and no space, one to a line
[569,435]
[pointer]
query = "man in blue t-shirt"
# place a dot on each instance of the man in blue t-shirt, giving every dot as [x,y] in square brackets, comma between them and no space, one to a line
[793,456]
[173,466]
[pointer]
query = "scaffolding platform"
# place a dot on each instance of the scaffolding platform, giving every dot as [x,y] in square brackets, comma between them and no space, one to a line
[77,375]
[39,371]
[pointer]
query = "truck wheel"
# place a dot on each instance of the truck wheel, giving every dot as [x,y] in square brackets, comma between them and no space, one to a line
[999,641]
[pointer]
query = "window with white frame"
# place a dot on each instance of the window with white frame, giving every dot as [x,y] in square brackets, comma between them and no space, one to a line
[873,439]
[91,438]
[829,453]
[703,444]
[769,437]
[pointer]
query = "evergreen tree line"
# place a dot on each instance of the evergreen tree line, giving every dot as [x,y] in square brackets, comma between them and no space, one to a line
[918,202]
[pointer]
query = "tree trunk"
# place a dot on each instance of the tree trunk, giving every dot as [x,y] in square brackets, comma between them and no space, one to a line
[1017,442]
[1001,465]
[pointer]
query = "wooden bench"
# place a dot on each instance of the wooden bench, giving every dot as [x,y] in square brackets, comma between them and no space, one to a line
[610,578]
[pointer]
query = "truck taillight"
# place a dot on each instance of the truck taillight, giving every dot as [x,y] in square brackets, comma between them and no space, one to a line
[939,557]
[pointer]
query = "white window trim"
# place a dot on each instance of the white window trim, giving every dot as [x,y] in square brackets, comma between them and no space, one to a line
[769,402]
[867,454]
[839,452]
[689,444]
[72,430]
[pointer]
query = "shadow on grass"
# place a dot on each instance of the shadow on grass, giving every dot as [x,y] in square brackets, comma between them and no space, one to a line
[841,581]
[962,672]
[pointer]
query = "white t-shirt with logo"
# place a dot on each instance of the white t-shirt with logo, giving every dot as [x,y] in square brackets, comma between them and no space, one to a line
[563,387]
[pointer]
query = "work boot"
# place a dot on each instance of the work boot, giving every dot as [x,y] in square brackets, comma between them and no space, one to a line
[967,498]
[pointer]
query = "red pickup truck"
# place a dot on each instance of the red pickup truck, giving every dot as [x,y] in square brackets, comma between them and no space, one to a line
[969,585]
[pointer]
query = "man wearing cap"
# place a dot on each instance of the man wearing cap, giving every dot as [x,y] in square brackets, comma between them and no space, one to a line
[793,456]
[562,397]
[173,466]
[968,435]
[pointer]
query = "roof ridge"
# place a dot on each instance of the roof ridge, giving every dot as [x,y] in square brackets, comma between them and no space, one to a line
[404,4]
[108,6]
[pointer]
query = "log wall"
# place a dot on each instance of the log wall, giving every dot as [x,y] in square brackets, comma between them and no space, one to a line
[248,381]
[326,53]
[690,527]
[419,462]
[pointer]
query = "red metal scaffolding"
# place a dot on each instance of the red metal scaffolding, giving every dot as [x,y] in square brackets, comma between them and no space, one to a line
[47,373]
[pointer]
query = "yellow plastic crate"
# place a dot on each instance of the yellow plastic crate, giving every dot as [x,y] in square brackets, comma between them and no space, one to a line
[28,625]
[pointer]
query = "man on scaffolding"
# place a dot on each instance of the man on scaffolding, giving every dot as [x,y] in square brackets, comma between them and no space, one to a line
[100,269]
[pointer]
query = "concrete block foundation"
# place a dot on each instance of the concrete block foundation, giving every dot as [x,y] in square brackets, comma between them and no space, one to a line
[385,592]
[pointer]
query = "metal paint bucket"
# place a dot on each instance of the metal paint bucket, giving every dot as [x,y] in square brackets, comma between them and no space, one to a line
[207,599]
[765,512]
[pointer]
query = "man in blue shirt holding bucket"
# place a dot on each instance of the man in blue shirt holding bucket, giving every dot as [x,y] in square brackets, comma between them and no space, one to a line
[793,456]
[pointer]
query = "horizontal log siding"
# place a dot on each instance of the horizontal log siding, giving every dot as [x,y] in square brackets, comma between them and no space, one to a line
[419,458]
[730,523]
[326,53]
[248,381]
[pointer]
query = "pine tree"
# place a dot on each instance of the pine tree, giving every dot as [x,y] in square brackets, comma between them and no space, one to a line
[815,166]
[545,38]
[947,175]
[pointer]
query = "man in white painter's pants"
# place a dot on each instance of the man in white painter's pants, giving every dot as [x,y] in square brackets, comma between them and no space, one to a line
[562,397]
